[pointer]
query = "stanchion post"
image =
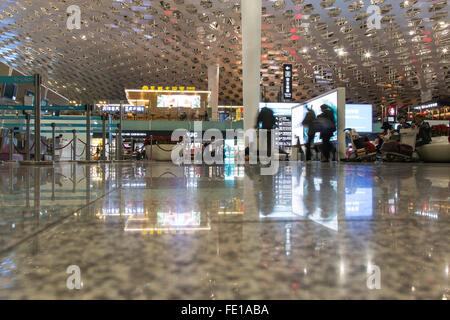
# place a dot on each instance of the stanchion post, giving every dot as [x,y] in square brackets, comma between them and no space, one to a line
[27,138]
[120,145]
[37,117]
[11,144]
[104,136]
[74,145]
[110,137]
[53,141]
[151,147]
[117,145]
[120,131]
[88,132]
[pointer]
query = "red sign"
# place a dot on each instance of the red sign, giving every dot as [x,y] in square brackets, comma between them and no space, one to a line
[392,111]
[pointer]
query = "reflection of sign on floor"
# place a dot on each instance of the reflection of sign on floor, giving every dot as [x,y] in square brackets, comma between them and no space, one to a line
[167,222]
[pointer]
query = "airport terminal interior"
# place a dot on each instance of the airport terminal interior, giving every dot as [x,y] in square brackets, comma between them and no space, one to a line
[134,162]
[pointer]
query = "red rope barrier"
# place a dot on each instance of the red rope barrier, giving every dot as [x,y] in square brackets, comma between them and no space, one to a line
[81,141]
[23,152]
[60,148]
[46,144]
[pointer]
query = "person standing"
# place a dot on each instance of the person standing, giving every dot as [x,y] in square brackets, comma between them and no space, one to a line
[327,129]
[268,121]
[403,123]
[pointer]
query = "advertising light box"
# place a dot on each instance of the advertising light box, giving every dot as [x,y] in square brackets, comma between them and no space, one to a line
[359,117]
[299,113]
[178,101]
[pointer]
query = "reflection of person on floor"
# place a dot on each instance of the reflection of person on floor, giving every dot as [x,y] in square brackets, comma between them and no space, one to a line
[328,198]
[310,193]
[266,195]
[327,128]
[309,122]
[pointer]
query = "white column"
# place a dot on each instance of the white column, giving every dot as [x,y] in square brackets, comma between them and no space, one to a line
[251,11]
[213,86]
[341,124]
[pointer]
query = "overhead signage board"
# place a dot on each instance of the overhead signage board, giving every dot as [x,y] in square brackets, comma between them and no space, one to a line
[174,89]
[287,81]
[18,79]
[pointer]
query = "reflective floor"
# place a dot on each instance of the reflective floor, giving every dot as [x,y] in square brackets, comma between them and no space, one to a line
[158,231]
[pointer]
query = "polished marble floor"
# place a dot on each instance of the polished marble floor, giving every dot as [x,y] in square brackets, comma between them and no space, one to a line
[159,231]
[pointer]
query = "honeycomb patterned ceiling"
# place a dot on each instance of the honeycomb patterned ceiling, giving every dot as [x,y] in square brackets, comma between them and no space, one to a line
[130,43]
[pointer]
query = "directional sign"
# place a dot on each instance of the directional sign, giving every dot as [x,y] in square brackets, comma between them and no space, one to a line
[18,79]
[287,81]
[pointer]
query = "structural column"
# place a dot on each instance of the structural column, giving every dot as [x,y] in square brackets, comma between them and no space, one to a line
[213,86]
[251,11]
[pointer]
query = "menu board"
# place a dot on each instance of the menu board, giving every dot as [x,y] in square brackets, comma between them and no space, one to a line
[178,101]
[284,137]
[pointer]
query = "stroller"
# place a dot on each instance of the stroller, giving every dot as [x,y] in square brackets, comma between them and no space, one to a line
[402,148]
[362,150]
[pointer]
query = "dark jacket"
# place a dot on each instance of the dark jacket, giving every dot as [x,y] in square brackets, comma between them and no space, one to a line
[327,123]
[267,118]
[310,123]
[424,135]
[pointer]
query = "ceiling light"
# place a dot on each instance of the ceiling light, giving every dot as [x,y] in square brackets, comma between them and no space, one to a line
[340,52]
[445,50]
[367,55]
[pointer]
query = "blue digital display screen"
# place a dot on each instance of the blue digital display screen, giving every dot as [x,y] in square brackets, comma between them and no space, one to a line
[359,117]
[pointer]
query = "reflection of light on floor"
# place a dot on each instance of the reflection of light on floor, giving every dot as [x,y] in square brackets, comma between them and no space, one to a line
[167,222]
[327,223]
[232,206]
[116,211]
[427,214]
[134,185]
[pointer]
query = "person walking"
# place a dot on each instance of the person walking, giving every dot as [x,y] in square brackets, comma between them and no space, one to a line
[267,119]
[309,123]
[327,125]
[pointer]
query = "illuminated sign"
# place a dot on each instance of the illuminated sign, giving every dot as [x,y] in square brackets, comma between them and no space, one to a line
[238,114]
[126,109]
[391,111]
[174,89]
[426,106]
[287,81]
[175,101]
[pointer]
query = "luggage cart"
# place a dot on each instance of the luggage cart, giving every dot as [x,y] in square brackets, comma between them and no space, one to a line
[360,152]
[407,147]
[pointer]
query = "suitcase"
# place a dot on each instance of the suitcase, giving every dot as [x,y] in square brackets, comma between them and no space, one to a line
[360,143]
[370,147]
[406,150]
[390,146]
